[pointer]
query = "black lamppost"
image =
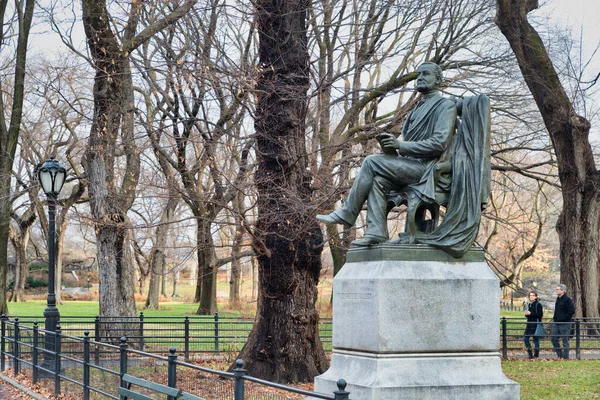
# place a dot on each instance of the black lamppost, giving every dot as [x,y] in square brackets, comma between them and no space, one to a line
[52,177]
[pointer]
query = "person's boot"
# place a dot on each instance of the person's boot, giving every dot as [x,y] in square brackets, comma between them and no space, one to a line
[536,353]
[559,353]
[566,354]
[529,354]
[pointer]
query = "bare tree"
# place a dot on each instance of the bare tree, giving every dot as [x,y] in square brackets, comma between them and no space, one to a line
[578,224]
[57,109]
[112,162]
[198,93]
[20,234]
[11,112]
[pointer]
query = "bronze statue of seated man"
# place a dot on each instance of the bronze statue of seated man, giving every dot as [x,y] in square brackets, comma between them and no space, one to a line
[427,134]
[438,153]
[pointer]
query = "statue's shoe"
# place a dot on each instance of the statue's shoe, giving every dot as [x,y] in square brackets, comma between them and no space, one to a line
[332,218]
[367,241]
[403,238]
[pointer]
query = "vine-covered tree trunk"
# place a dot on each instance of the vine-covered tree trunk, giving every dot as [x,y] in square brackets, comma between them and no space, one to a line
[284,343]
[578,224]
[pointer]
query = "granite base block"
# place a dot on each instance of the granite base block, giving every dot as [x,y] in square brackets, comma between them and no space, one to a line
[411,322]
[434,376]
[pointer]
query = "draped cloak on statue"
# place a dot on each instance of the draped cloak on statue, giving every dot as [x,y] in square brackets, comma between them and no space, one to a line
[470,186]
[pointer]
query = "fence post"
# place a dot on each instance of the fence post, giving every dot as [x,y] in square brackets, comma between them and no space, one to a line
[57,343]
[504,346]
[186,339]
[3,343]
[341,393]
[141,331]
[34,355]
[86,365]
[239,372]
[123,360]
[578,338]
[16,348]
[172,370]
[97,339]
[217,332]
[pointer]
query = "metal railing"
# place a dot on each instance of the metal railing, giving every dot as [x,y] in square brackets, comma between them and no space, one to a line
[71,366]
[584,337]
[191,334]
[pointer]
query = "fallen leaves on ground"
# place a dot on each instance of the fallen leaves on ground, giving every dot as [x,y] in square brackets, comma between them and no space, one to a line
[201,384]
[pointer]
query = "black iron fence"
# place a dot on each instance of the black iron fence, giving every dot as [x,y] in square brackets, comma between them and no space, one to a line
[91,357]
[72,367]
[197,335]
[584,338]
[191,334]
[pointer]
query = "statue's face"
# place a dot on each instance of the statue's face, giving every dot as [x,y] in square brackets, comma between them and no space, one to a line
[426,78]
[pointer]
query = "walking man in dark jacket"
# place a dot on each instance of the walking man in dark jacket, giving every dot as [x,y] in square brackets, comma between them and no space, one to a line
[564,310]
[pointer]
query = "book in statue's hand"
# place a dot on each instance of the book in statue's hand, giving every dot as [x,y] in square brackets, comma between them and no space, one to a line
[386,150]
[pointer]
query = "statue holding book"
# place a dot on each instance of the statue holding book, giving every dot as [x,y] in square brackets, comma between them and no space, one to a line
[431,159]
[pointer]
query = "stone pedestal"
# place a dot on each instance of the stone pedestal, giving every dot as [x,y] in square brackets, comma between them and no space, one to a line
[411,322]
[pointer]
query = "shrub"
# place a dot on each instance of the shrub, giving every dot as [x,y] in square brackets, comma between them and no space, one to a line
[33,283]
[38,266]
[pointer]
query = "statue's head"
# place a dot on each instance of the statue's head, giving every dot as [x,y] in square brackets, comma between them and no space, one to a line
[429,77]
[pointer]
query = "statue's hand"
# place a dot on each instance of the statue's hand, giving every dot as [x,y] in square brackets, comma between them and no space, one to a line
[388,140]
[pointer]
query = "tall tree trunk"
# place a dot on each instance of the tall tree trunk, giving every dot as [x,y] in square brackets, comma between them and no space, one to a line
[253,267]
[109,203]
[9,134]
[58,264]
[206,288]
[163,282]
[20,240]
[158,257]
[175,284]
[579,222]
[284,344]
[236,250]
[22,268]
[156,272]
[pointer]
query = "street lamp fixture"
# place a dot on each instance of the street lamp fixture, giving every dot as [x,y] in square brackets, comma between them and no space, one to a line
[52,177]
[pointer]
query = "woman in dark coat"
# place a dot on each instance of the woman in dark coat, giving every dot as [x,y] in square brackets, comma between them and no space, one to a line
[534,314]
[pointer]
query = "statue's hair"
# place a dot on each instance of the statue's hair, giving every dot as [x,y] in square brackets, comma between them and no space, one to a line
[438,71]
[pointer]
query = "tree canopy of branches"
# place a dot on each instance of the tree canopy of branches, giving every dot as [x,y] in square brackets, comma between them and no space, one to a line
[195,105]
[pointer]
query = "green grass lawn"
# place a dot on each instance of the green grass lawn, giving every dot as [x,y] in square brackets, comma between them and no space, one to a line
[167,309]
[90,308]
[555,380]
